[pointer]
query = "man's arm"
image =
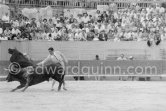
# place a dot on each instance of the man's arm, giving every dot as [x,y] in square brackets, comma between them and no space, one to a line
[45,61]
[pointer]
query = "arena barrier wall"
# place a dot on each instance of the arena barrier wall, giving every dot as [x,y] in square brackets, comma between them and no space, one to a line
[38,50]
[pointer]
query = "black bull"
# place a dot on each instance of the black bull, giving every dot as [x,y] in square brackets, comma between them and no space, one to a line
[37,76]
[31,77]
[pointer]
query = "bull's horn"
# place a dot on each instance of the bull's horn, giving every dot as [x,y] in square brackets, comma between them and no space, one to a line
[6,69]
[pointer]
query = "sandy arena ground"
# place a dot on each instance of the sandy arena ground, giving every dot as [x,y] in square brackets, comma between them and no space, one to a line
[86,96]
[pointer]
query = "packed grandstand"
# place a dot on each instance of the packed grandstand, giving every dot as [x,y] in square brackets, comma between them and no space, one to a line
[105,23]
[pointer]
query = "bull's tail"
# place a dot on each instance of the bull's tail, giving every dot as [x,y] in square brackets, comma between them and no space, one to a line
[63,81]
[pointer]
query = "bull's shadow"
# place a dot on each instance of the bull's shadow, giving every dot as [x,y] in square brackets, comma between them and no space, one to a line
[35,75]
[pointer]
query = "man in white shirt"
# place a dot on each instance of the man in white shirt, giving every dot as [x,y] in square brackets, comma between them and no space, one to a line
[1,30]
[122,57]
[15,23]
[149,9]
[85,18]
[79,18]
[5,18]
[55,57]
[7,32]
[15,32]
[96,16]
[162,9]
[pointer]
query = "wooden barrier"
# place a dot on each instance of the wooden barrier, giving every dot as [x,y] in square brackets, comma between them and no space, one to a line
[38,50]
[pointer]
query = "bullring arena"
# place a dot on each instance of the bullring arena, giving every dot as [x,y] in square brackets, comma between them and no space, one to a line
[116,51]
[105,94]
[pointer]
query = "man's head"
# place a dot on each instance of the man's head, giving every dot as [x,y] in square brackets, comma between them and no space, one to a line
[97,57]
[45,20]
[51,50]
[98,12]
[122,55]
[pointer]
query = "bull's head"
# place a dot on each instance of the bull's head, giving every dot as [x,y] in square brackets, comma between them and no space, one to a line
[11,51]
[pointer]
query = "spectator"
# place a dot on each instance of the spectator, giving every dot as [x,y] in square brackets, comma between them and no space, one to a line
[103,36]
[111,35]
[90,36]
[97,57]
[5,18]
[7,33]
[122,57]
[1,31]
[130,24]
[15,32]
[40,35]
[50,23]
[131,58]
[163,35]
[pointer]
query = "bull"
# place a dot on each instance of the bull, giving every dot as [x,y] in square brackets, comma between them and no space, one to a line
[34,76]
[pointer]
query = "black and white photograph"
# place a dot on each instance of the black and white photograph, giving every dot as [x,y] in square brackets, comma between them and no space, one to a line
[82,55]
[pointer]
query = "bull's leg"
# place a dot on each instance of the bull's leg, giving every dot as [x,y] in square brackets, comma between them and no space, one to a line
[63,81]
[59,87]
[64,88]
[60,82]
[18,87]
[27,84]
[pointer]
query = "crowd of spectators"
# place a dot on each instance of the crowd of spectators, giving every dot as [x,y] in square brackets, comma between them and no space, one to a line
[130,24]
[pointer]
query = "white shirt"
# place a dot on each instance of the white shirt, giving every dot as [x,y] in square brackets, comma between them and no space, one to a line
[7,33]
[16,31]
[120,58]
[163,36]
[1,30]
[85,19]
[54,20]
[79,20]
[71,35]
[16,23]
[116,39]
[57,57]
[162,10]
[95,39]
[96,16]
[5,18]
[54,35]
[3,38]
